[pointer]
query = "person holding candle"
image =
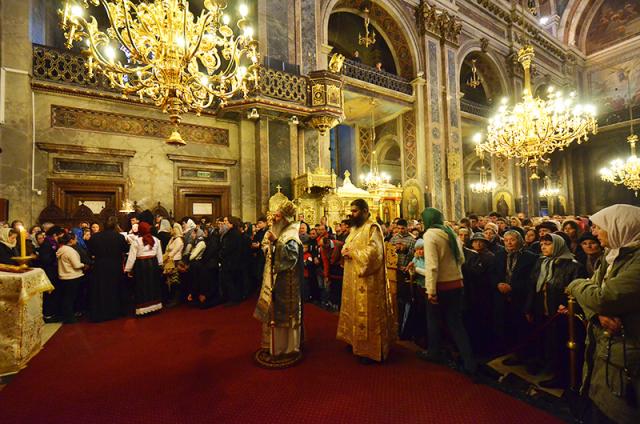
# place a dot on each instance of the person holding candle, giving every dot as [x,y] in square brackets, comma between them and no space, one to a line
[8,238]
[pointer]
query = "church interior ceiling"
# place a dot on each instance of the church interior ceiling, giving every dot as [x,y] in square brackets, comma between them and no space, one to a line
[357,109]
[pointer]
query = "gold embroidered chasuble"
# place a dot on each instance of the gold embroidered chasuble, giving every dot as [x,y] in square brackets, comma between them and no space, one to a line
[366,319]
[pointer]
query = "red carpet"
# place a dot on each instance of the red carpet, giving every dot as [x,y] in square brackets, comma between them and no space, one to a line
[192,366]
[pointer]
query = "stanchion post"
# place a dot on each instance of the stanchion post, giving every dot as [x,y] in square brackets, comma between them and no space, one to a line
[571,344]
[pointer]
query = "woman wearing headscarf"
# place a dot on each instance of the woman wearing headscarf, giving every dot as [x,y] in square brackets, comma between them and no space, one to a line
[443,257]
[553,272]
[164,233]
[592,253]
[107,248]
[143,263]
[171,259]
[611,303]
[8,239]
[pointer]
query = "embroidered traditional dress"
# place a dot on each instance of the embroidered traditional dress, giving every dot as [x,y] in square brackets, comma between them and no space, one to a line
[145,261]
[366,319]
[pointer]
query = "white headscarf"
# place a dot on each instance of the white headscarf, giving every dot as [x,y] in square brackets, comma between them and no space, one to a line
[165,226]
[622,224]
[4,238]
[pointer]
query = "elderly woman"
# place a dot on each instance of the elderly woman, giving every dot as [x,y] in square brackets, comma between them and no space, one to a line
[610,300]
[8,239]
[553,272]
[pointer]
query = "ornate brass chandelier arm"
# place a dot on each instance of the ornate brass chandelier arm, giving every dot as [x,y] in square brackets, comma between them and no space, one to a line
[134,48]
[201,31]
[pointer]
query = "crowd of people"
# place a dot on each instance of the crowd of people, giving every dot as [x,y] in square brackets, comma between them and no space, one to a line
[499,284]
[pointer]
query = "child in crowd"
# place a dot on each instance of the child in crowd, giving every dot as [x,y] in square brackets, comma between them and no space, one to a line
[70,273]
[307,259]
[418,315]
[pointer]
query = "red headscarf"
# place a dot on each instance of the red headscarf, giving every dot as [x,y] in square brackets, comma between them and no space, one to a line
[144,230]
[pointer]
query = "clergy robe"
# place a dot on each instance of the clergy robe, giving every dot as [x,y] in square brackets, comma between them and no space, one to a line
[366,319]
[281,296]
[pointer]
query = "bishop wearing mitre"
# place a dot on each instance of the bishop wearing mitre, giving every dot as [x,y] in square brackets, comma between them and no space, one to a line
[366,321]
[280,305]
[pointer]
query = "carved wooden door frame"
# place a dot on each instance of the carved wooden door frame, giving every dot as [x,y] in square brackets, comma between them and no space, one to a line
[181,193]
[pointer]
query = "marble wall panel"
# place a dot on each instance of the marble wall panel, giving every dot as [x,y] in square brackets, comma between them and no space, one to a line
[278,30]
[437,188]
[453,88]
[309,43]
[410,146]
[279,158]
[311,159]
[433,82]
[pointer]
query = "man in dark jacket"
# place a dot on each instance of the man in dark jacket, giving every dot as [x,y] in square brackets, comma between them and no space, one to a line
[511,282]
[231,261]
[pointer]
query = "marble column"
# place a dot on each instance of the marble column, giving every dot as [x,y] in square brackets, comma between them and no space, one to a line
[455,173]
[434,146]
[421,141]
[294,154]
[248,166]
[262,165]
[16,134]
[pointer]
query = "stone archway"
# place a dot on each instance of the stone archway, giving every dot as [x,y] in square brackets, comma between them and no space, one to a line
[389,154]
[489,69]
[398,28]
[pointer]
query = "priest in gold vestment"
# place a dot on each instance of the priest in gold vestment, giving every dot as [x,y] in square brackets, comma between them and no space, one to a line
[366,319]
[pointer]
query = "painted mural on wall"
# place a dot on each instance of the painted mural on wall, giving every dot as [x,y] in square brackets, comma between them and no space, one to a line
[615,21]
[608,84]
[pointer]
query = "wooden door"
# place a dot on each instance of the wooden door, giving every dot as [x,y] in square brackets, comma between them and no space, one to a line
[202,202]
[85,200]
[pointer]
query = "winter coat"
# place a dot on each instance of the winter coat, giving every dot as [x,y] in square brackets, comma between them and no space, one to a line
[564,272]
[520,277]
[612,294]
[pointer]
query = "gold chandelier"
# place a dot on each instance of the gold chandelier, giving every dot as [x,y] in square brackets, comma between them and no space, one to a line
[158,49]
[534,128]
[549,190]
[374,178]
[369,36]
[474,81]
[626,173]
[484,185]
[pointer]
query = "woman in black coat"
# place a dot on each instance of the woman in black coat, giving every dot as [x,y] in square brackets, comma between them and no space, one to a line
[107,247]
[550,277]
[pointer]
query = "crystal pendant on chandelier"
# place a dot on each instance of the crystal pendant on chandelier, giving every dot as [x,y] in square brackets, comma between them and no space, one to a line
[534,128]
[158,49]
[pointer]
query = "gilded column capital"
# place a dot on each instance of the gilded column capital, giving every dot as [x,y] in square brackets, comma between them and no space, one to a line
[438,22]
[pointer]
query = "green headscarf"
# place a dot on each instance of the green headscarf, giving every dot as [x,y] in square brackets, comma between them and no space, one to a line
[432,218]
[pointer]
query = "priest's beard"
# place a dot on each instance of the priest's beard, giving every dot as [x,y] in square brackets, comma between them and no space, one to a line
[278,227]
[359,220]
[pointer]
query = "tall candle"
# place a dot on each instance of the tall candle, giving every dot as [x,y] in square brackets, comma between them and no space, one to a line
[23,242]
